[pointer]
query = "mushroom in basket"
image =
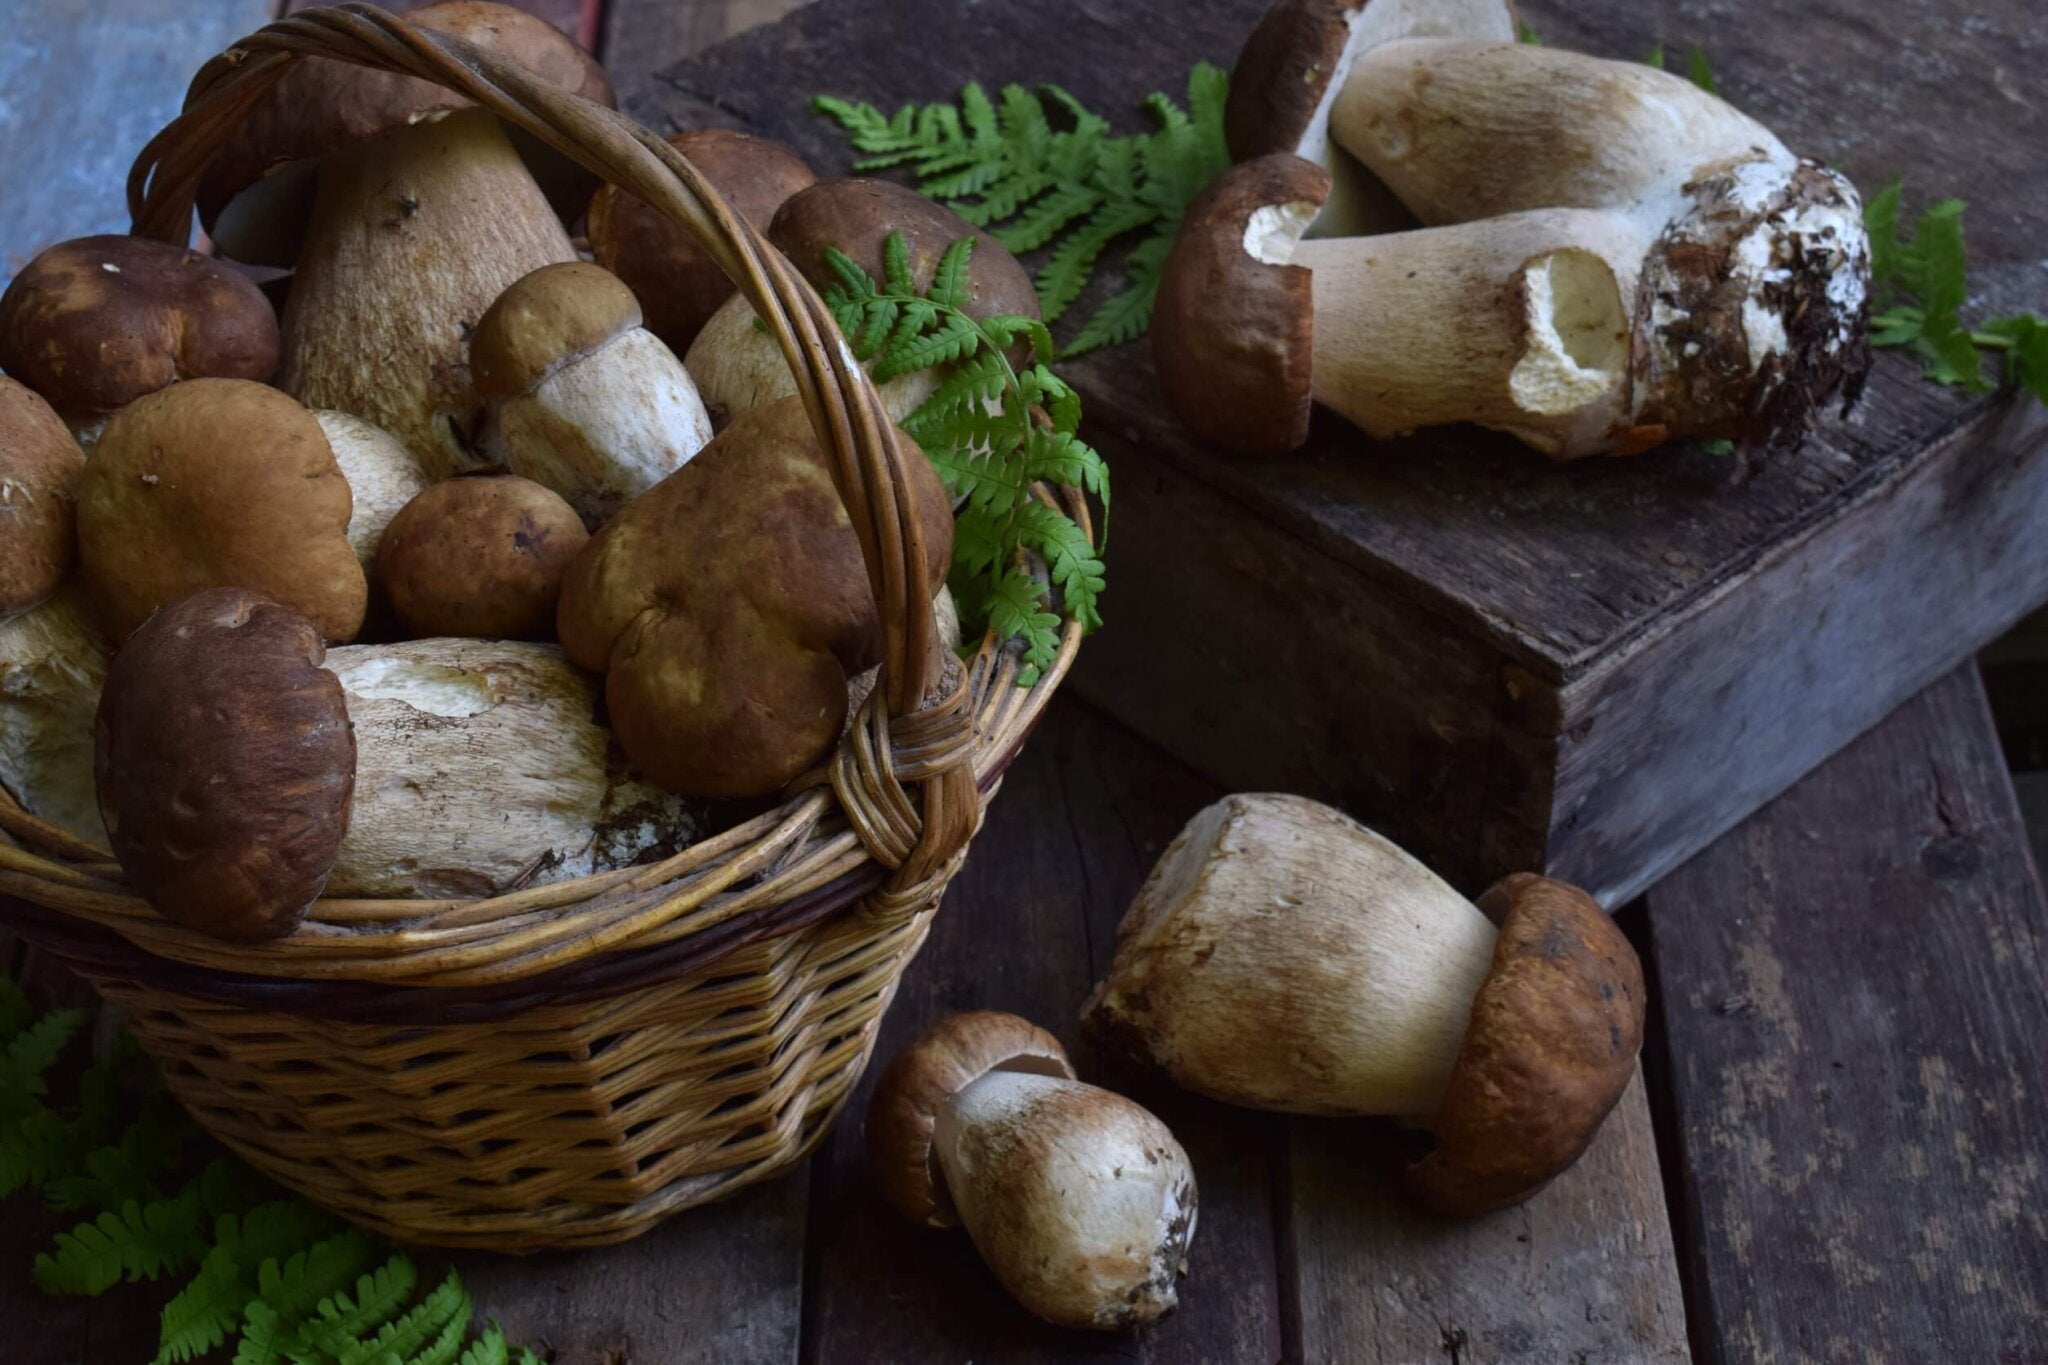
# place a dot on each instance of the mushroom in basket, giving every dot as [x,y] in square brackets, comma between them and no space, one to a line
[1080,1201]
[1615,257]
[40,465]
[481,557]
[1283,957]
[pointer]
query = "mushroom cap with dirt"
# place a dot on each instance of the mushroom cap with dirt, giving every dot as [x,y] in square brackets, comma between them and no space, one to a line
[224,762]
[480,557]
[95,323]
[729,607]
[739,367]
[40,465]
[407,210]
[580,397]
[1081,1202]
[1283,957]
[218,483]
[678,284]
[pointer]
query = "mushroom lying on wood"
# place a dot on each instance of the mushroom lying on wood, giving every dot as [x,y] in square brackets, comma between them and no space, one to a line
[480,557]
[423,213]
[95,323]
[581,398]
[40,465]
[738,366]
[53,663]
[1080,1201]
[1283,957]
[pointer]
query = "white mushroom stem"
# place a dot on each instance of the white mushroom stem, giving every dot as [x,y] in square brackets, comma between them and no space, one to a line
[1284,957]
[382,478]
[53,664]
[1080,1201]
[412,237]
[480,769]
[738,367]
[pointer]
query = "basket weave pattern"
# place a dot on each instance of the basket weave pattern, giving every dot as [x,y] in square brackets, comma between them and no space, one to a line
[568,1064]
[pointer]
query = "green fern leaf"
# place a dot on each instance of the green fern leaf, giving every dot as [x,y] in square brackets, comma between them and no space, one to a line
[1045,217]
[294,1288]
[1062,278]
[202,1314]
[1072,561]
[342,1319]
[34,1148]
[420,1326]
[488,1349]
[1016,610]
[264,1335]
[953,339]
[950,287]
[34,1049]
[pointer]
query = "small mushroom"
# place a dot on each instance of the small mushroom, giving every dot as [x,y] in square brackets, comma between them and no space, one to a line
[582,398]
[729,606]
[40,465]
[53,663]
[218,483]
[382,477]
[1080,1201]
[224,763]
[678,284]
[1283,957]
[95,323]
[406,210]
[481,768]
[479,557]
[738,366]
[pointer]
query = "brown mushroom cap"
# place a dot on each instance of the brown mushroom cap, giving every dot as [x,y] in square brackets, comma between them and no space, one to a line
[1283,74]
[217,483]
[479,558]
[678,284]
[1233,335]
[859,216]
[1552,1044]
[321,106]
[729,606]
[40,465]
[544,321]
[95,323]
[225,764]
[947,1058]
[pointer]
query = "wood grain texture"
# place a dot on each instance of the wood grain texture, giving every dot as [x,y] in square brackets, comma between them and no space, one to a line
[1854,988]
[641,37]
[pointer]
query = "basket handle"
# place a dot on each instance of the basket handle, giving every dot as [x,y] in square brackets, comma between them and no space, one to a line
[925,692]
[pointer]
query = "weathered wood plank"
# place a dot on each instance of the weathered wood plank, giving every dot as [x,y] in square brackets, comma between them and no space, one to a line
[1583,1273]
[83,84]
[641,37]
[1854,987]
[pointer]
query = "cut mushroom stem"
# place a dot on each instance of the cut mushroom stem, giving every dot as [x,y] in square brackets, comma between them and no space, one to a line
[1080,1201]
[1400,997]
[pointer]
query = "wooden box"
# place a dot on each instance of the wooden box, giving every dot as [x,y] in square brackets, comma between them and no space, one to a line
[1592,669]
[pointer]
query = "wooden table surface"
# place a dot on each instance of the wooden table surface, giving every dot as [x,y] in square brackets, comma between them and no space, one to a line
[1836,1154]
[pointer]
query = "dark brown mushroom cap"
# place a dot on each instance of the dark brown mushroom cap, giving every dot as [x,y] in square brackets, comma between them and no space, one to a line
[1282,74]
[1234,336]
[94,323]
[479,558]
[40,464]
[322,106]
[858,216]
[548,318]
[1552,1045]
[225,764]
[950,1056]
[678,284]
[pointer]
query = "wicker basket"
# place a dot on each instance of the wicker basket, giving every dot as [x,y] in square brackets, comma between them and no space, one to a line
[569,1064]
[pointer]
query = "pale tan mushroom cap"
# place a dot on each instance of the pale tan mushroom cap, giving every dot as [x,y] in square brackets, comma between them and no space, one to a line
[546,320]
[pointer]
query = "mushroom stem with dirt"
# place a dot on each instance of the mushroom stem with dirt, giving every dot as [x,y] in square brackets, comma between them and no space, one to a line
[1080,1201]
[1283,957]
[53,663]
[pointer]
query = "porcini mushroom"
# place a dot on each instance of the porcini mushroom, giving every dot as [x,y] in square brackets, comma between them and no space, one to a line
[1080,1201]
[423,213]
[581,398]
[382,478]
[481,557]
[53,663]
[481,768]
[738,366]
[224,764]
[95,323]
[728,607]
[40,464]
[217,483]
[1400,997]
[678,284]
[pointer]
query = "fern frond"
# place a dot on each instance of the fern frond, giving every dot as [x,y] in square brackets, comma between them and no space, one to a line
[1016,610]
[420,1326]
[1062,278]
[34,1050]
[202,1314]
[343,1318]
[34,1148]
[1072,561]
[488,1349]
[264,1335]
[955,338]
[293,1288]
[1045,217]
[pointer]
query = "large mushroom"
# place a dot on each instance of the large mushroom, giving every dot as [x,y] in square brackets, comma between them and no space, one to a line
[40,464]
[581,398]
[1402,999]
[736,363]
[729,608]
[480,557]
[53,663]
[407,211]
[218,483]
[95,323]
[678,284]
[1080,1201]
[224,764]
